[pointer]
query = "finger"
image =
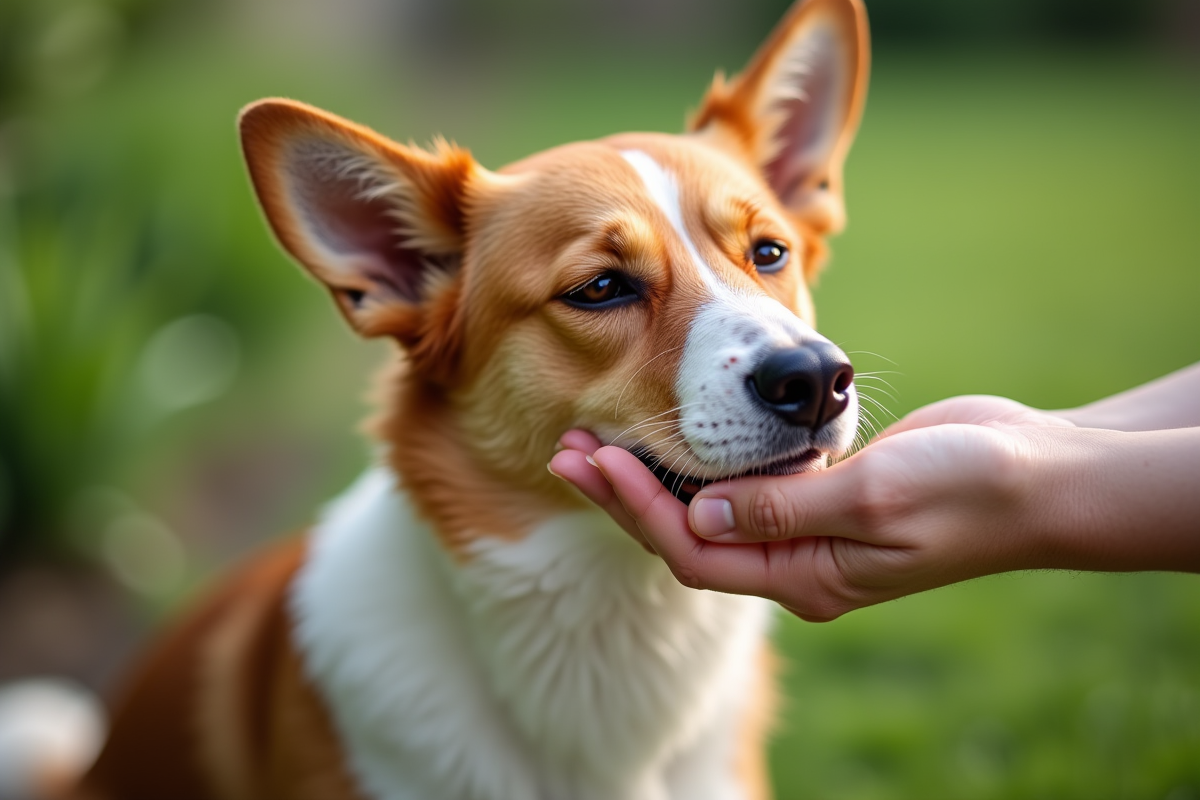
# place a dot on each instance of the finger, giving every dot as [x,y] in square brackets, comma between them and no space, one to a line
[583,441]
[925,417]
[663,520]
[967,409]
[770,509]
[573,467]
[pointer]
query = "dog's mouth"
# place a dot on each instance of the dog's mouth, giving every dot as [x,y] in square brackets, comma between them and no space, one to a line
[685,487]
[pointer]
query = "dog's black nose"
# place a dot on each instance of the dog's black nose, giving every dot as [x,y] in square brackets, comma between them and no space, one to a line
[805,385]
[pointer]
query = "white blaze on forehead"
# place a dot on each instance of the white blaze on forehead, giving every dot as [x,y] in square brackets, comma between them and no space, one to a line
[665,192]
[726,430]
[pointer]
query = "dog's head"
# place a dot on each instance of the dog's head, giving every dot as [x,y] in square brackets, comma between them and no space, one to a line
[651,288]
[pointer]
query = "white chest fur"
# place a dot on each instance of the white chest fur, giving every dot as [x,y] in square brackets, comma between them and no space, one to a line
[566,666]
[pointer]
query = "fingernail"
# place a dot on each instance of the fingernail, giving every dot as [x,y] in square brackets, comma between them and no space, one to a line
[711,516]
[592,462]
[550,469]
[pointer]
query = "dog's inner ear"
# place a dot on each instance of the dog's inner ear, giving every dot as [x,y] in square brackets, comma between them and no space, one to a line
[344,203]
[372,235]
[808,98]
[796,107]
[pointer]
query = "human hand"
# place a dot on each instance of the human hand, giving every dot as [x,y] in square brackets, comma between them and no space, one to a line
[978,409]
[960,489]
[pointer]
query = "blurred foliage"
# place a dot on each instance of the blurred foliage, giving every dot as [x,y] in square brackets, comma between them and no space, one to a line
[64,45]
[893,22]
[928,21]
[74,298]
[1022,222]
[124,299]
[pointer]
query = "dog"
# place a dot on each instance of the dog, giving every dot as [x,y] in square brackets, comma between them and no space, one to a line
[461,625]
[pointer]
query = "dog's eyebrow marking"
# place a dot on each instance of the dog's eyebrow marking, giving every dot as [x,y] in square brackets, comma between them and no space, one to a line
[665,192]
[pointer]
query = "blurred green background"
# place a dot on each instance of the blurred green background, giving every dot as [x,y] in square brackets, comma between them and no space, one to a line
[1024,202]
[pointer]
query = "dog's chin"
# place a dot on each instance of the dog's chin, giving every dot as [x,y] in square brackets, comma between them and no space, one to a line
[685,487]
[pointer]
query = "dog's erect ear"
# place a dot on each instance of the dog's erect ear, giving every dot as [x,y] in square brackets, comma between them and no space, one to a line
[378,223]
[795,108]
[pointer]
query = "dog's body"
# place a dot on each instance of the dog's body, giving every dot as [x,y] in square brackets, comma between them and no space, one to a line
[461,624]
[535,672]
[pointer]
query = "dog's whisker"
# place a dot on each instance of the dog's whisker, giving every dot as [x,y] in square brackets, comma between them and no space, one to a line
[684,474]
[670,442]
[657,420]
[879,389]
[663,458]
[868,419]
[650,428]
[674,437]
[868,416]
[648,420]
[855,445]
[636,425]
[881,409]
[867,432]
[869,353]
[882,390]
[880,406]
[875,379]
[688,453]
[875,401]
[625,388]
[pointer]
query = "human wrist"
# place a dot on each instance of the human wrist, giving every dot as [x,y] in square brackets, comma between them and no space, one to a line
[1162,404]
[1098,415]
[1106,500]
[1057,513]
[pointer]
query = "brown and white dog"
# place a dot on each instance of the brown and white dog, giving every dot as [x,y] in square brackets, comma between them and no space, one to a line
[461,625]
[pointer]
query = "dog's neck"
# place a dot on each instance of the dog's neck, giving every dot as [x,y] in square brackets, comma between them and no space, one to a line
[568,663]
[467,482]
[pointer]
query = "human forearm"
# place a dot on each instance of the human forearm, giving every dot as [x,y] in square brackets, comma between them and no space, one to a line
[1172,401]
[1115,501]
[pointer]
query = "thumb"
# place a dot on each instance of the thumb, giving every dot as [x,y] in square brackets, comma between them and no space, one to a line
[765,509]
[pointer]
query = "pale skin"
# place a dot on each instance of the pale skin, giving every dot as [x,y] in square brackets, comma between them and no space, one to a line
[959,489]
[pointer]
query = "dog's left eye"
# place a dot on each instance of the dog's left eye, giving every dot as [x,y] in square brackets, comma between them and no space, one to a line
[769,255]
[603,291]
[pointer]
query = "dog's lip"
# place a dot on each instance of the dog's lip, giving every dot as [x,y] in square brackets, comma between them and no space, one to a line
[685,490]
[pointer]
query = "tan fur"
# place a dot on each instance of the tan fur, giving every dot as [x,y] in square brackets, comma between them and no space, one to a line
[464,269]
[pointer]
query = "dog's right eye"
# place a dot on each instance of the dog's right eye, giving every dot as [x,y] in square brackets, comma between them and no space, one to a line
[769,255]
[604,291]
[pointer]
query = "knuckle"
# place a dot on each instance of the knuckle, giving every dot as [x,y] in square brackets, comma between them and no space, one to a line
[877,501]
[687,570]
[772,516]
[687,575]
